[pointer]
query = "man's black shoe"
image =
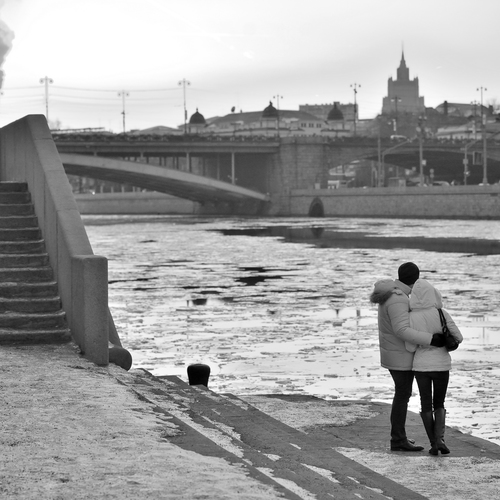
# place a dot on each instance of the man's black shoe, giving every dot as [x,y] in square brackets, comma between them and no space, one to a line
[406,447]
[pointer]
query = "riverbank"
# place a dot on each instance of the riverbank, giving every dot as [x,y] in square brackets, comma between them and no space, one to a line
[429,202]
[75,430]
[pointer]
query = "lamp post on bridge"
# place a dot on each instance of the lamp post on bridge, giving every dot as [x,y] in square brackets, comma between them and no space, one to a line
[184,83]
[395,100]
[123,94]
[483,130]
[421,133]
[474,120]
[355,87]
[46,80]
[278,97]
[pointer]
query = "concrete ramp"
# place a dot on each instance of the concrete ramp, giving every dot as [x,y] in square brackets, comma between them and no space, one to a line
[175,182]
[310,448]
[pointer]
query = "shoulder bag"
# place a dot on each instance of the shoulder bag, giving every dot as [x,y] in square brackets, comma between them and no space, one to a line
[451,342]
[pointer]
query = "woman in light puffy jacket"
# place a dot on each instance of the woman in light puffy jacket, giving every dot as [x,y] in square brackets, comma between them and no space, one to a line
[431,364]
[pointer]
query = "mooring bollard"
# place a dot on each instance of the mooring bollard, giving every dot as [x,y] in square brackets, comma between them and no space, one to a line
[198,374]
[120,356]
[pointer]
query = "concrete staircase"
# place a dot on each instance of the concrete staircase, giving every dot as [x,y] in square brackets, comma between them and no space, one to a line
[30,308]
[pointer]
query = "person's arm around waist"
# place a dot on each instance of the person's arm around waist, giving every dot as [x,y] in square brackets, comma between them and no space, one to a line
[400,321]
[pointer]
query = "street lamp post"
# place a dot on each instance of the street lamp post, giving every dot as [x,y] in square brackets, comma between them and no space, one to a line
[278,97]
[355,87]
[123,94]
[421,131]
[474,107]
[466,164]
[379,151]
[395,100]
[483,128]
[46,80]
[183,83]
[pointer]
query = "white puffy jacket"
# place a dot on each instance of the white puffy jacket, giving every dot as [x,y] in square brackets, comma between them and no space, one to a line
[424,303]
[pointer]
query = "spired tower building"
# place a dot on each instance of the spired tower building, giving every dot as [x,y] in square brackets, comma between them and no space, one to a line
[402,94]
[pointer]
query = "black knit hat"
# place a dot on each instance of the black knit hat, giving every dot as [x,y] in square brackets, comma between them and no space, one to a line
[408,273]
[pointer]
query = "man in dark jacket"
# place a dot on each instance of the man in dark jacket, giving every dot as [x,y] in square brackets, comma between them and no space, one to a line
[394,329]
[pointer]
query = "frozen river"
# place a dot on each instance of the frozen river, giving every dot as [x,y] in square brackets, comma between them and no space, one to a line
[281,305]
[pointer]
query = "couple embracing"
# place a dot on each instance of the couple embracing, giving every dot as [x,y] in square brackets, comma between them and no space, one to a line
[412,345]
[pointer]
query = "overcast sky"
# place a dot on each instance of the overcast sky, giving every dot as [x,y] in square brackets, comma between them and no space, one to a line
[240,53]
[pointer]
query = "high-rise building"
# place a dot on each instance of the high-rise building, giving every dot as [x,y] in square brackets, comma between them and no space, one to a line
[402,93]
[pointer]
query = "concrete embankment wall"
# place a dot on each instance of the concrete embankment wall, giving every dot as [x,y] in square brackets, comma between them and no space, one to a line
[134,203]
[453,202]
[28,154]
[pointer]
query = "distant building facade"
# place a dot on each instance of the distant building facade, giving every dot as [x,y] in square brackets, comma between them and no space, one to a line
[462,110]
[403,93]
[323,110]
[270,122]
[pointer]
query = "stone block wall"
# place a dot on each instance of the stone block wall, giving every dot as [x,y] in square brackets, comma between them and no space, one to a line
[453,202]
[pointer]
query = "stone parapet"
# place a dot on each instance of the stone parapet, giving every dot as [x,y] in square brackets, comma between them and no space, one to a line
[28,154]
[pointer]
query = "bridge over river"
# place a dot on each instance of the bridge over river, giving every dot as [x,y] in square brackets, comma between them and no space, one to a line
[262,170]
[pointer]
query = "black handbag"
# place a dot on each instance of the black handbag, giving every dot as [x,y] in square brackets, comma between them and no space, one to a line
[451,342]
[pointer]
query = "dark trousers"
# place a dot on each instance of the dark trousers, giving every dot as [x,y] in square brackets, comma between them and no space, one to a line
[432,387]
[403,382]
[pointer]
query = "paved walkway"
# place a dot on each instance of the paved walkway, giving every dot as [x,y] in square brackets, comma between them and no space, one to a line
[72,430]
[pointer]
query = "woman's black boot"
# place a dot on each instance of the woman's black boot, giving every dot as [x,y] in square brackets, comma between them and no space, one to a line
[428,420]
[439,428]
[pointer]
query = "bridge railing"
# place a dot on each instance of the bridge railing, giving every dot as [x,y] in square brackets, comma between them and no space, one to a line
[28,154]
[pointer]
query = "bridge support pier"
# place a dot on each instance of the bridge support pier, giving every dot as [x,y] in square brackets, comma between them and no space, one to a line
[233,168]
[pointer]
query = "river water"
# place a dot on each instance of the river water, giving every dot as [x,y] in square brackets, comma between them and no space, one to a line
[281,305]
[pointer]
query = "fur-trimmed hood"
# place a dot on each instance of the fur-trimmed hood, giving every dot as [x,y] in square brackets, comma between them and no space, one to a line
[383,290]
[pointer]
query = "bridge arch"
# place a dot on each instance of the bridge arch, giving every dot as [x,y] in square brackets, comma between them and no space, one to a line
[316,208]
[177,183]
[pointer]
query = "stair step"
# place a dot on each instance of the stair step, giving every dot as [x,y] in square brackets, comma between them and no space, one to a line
[20,234]
[28,290]
[16,209]
[30,305]
[18,221]
[26,274]
[20,260]
[15,198]
[32,321]
[13,186]
[22,247]
[26,335]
